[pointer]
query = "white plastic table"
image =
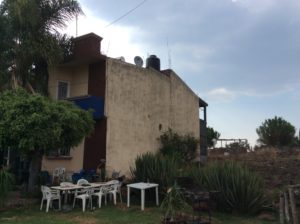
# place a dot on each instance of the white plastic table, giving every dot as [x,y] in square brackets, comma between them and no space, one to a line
[71,187]
[142,186]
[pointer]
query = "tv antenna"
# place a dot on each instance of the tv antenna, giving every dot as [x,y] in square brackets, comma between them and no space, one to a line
[169,54]
[76,19]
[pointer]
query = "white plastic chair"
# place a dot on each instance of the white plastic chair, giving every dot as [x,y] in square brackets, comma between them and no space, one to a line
[58,173]
[49,195]
[117,188]
[87,195]
[64,184]
[80,182]
[103,191]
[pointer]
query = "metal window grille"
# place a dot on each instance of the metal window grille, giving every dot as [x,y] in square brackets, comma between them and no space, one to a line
[63,89]
[64,152]
[59,152]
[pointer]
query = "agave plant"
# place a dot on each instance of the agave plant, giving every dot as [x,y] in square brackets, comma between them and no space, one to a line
[241,190]
[6,183]
[173,202]
[155,168]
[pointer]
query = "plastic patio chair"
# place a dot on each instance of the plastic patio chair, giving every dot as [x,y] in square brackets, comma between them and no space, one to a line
[87,195]
[50,195]
[58,173]
[80,182]
[65,193]
[104,191]
[118,188]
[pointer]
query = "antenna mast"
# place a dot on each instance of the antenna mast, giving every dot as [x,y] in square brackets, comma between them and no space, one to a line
[76,25]
[169,54]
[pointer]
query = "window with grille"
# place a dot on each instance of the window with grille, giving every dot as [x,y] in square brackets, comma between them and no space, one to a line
[59,152]
[62,90]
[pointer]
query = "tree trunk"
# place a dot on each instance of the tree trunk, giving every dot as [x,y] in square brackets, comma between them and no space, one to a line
[34,169]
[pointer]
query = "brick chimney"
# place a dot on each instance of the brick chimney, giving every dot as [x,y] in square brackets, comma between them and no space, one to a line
[86,46]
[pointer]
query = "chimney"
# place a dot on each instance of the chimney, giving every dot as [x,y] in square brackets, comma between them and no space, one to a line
[88,45]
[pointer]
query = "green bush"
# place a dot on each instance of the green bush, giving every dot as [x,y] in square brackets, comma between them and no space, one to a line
[183,147]
[6,184]
[156,169]
[173,202]
[241,190]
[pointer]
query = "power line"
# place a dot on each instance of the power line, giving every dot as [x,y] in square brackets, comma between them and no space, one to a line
[127,13]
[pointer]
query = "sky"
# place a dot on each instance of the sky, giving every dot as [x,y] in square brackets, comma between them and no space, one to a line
[240,56]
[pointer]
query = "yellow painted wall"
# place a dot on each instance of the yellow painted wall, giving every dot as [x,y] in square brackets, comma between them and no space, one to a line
[72,165]
[76,76]
[78,79]
[137,101]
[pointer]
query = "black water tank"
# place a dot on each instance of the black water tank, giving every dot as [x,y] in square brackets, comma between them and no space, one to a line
[153,62]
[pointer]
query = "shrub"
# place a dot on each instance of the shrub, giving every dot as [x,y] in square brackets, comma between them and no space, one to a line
[6,184]
[156,169]
[173,202]
[241,190]
[238,147]
[183,147]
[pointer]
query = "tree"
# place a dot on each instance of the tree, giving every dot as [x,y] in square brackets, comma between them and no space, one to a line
[183,146]
[276,132]
[34,125]
[211,136]
[238,147]
[30,40]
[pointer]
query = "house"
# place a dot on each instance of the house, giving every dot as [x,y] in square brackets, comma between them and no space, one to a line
[132,106]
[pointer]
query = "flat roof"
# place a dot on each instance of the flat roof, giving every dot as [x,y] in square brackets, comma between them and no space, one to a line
[202,103]
[82,61]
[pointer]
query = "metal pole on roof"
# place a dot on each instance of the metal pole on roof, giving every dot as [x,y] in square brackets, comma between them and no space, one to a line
[76,25]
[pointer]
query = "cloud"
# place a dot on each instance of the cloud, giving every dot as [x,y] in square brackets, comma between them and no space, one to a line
[220,95]
[248,46]
[111,45]
[256,6]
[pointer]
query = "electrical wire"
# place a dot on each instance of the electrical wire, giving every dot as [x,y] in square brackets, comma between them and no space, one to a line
[127,13]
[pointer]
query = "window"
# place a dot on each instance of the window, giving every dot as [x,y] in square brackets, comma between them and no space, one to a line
[59,152]
[62,90]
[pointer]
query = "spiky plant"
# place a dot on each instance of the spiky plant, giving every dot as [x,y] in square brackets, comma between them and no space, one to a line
[173,202]
[155,168]
[241,190]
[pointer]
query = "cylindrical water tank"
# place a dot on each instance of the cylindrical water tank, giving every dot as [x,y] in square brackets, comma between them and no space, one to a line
[153,62]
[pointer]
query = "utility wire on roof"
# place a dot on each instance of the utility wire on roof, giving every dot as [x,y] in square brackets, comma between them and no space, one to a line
[127,13]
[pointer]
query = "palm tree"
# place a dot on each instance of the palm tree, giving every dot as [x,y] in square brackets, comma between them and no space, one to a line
[31,40]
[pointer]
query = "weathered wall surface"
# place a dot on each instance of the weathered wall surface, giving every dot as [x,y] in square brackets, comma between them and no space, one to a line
[78,81]
[73,164]
[76,76]
[184,108]
[138,102]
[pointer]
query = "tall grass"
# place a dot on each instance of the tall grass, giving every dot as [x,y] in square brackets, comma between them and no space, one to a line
[241,190]
[156,169]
